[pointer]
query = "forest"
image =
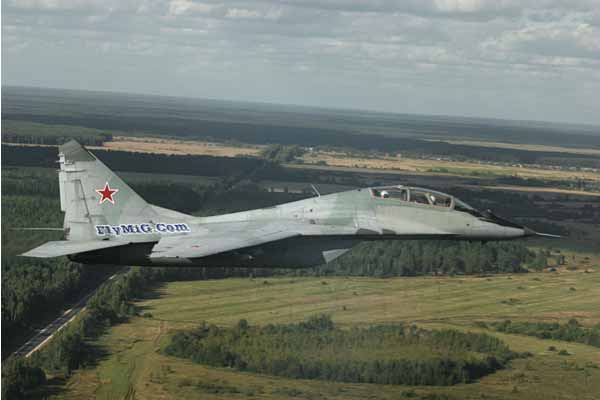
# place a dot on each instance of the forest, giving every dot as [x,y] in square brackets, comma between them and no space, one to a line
[318,349]
[34,133]
[44,129]
[72,347]
[411,258]
[571,331]
[69,349]
[231,169]
[148,163]
[282,154]
[145,114]
[34,290]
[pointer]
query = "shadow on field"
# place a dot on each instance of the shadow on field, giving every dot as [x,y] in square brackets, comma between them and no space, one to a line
[95,354]
[55,386]
[152,293]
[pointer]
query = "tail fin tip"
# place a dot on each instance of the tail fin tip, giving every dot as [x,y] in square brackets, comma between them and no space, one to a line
[73,151]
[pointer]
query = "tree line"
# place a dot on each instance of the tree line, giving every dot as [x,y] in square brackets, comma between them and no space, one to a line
[144,162]
[179,116]
[34,290]
[72,347]
[282,154]
[571,331]
[26,132]
[69,350]
[411,258]
[317,349]
[305,136]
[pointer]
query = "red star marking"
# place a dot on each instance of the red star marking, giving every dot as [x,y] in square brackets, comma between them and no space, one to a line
[107,194]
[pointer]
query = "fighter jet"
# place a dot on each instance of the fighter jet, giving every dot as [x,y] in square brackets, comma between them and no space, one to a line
[106,222]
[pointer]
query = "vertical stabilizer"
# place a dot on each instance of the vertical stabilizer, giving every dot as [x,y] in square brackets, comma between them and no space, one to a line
[91,194]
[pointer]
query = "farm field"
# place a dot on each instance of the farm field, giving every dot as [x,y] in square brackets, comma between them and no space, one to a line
[518,146]
[390,164]
[539,190]
[442,167]
[339,159]
[332,160]
[174,146]
[134,366]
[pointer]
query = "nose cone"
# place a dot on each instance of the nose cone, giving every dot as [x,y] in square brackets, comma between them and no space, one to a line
[504,229]
[493,228]
[485,230]
[499,231]
[513,232]
[489,226]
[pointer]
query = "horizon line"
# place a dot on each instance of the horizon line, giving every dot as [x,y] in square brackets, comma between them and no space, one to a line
[314,107]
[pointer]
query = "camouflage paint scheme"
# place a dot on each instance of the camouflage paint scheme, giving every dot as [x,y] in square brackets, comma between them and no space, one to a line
[106,222]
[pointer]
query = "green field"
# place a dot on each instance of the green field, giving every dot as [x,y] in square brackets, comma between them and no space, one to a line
[135,368]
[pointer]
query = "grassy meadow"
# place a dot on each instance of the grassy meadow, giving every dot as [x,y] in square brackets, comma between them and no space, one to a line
[134,366]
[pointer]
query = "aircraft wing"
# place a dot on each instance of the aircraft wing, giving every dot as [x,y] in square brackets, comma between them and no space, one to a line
[221,238]
[66,247]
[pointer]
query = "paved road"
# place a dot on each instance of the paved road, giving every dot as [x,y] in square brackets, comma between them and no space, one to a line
[43,336]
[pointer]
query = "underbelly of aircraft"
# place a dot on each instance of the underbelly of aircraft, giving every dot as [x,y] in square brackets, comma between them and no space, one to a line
[302,252]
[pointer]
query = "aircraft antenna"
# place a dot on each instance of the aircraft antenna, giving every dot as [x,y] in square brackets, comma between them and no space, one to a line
[315,189]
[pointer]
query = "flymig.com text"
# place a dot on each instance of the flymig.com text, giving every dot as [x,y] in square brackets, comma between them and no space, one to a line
[140,229]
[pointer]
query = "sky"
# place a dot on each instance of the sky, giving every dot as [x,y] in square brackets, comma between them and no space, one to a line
[515,59]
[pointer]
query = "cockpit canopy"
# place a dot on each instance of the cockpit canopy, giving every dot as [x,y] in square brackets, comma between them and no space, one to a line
[421,196]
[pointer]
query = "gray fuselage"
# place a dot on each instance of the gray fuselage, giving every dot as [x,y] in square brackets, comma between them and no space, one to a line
[330,225]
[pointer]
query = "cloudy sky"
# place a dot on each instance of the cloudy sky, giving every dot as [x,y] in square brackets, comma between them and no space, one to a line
[520,59]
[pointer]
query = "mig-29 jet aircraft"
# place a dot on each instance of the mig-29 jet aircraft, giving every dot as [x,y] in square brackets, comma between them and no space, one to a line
[106,222]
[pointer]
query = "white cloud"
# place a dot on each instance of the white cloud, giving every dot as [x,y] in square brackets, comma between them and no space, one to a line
[242,13]
[182,7]
[458,5]
[69,5]
[315,49]
[554,41]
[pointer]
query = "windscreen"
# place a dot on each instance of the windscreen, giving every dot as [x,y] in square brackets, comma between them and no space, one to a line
[392,193]
[460,205]
[414,195]
[433,198]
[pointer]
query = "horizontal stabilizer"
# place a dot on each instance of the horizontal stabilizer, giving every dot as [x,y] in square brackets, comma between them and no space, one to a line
[66,247]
